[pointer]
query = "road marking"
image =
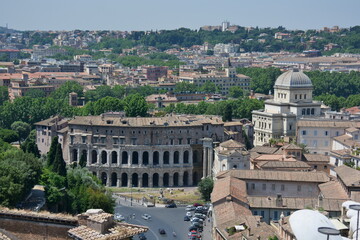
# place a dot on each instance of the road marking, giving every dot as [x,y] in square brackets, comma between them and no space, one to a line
[149,229]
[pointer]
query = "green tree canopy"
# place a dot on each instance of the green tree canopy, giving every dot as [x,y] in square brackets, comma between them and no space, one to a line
[23,129]
[35,93]
[205,188]
[59,165]
[8,135]
[30,145]
[135,105]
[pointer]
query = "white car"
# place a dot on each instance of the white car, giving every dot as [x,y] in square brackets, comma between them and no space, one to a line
[190,208]
[119,217]
[189,214]
[146,216]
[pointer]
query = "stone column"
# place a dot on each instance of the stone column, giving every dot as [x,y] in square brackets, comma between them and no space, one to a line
[161,180]
[99,158]
[181,158]
[119,158]
[190,178]
[78,155]
[129,158]
[150,180]
[88,157]
[171,158]
[151,158]
[118,182]
[161,160]
[108,158]
[129,180]
[205,158]
[139,180]
[211,159]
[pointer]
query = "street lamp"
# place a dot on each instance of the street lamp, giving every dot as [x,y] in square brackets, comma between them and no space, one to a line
[356,208]
[328,231]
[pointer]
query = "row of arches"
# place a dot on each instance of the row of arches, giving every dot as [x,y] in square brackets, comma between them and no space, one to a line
[127,180]
[135,158]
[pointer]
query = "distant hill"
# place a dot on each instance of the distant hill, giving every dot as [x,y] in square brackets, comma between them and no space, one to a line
[6,30]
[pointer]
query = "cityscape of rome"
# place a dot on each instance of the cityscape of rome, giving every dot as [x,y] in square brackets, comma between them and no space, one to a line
[199,120]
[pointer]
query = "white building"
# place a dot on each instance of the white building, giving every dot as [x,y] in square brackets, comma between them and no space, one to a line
[230,155]
[292,100]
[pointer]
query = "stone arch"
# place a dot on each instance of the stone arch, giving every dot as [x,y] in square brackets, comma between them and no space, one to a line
[114,157]
[155,180]
[103,178]
[166,157]
[195,178]
[156,158]
[74,155]
[135,157]
[176,157]
[176,179]
[114,179]
[145,180]
[186,178]
[195,156]
[135,180]
[124,157]
[145,158]
[94,156]
[166,179]
[186,157]
[103,157]
[124,180]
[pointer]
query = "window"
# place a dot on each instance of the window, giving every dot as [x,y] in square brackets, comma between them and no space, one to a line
[326,133]
[315,166]
[304,132]
[282,187]
[299,188]
[102,140]
[295,96]
[315,143]
[304,96]
[83,139]
[71,139]
[276,214]
[356,136]
[273,187]
[337,133]
[315,132]
[171,141]
[180,141]
[326,144]
[122,140]
[255,213]
[189,141]
[253,186]
[133,141]
[262,213]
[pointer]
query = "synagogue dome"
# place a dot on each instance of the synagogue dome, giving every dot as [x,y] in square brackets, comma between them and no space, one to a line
[293,79]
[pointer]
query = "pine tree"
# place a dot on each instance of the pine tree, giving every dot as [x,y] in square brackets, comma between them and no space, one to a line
[52,151]
[59,165]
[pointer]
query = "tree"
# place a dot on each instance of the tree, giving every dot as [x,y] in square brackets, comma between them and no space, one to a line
[4,94]
[227,116]
[135,105]
[205,188]
[63,91]
[59,165]
[236,92]
[52,151]
[30,145]
[23,129]
[208,87]
[35,93]
[8,135]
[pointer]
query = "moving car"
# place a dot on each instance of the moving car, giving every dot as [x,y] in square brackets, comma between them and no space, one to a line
[146,216]
[142,236]
[171,205]
[162,231]
[119,217]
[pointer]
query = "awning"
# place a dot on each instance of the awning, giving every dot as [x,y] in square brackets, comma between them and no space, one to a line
[338,225]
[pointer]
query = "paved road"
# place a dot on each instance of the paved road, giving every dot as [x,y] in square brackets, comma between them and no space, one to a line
[170,219]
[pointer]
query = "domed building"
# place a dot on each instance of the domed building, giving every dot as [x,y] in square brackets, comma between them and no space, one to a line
[292,100]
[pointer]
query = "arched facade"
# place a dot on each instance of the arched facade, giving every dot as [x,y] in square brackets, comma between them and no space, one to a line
[114,157]
[135,157]
[156,159]
[166,157]
[176,157]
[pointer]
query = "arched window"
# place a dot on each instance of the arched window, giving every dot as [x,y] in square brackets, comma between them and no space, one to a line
[176,157]
[145,158]
[93,156]
[156,158]
[135,158]
[186,157]
[114,157]
[103,157]
[124,157]
[166,157]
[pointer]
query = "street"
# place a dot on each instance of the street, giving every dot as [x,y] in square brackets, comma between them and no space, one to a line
[170,219]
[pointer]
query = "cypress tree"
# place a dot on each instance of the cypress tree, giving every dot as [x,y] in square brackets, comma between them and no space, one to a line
[52,151]
[59,165]
[82,161]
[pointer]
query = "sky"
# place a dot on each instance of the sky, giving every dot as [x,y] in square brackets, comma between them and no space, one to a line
[128,15]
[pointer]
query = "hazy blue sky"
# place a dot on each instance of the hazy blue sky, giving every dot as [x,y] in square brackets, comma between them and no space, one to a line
[169,14]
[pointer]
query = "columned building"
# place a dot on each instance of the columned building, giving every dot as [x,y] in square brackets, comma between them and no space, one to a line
[292,100]
[139,152]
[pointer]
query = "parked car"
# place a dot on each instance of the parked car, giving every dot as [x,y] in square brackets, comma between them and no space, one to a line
[142,236]
[200,215]
[186,218]
[190,208]
[146,216]
[197,204]
[171,205]
[119,217]
[189,214]
[162,231]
